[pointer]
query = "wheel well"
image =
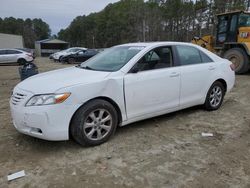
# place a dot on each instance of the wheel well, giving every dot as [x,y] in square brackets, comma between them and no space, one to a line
[103,98]
[114,104]
[20,59]
[223,83]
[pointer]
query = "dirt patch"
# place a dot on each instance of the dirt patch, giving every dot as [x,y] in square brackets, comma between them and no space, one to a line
[167,151]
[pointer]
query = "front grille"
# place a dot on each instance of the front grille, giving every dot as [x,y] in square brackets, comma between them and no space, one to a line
[16,98]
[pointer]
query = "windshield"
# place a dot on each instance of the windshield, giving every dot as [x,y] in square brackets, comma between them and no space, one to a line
[112,59]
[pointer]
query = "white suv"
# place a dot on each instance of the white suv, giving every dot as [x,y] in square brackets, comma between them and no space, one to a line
[14,56]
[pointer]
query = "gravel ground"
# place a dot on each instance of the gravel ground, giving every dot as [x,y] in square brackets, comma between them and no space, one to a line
[166,151]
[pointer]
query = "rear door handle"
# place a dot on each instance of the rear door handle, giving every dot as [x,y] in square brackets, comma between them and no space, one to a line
[174,74]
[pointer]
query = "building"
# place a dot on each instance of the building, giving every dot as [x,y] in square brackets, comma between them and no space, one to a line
[49,46]
[11,41]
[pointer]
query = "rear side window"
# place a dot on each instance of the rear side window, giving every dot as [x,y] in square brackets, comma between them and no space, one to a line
[189,55]
[205,58]
[12,52]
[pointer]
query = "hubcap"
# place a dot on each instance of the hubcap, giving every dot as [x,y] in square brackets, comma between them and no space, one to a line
[97,124]
[215,96]
[235,60]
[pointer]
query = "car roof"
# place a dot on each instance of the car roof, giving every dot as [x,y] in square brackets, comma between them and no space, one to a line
[12,49]
[151,44]
[77,48]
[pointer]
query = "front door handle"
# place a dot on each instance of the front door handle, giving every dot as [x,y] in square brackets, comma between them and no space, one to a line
[174,74]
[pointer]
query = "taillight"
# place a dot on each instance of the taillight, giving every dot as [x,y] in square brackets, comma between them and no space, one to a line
[232,66]
[30,55]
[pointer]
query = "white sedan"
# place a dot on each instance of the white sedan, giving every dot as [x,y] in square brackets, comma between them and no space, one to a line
[121,85]
[59,55]
[21,57]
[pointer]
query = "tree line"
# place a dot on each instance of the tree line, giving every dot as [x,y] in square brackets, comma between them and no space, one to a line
[31,30]
[153,20]
[131,21]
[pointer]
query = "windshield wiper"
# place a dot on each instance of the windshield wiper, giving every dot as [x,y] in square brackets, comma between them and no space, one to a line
[89,68]
[85,67]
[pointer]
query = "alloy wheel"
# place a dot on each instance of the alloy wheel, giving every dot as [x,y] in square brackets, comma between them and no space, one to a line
[215,96]
[98,124]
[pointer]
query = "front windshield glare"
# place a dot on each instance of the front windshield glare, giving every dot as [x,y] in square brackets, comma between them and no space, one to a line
[112,59]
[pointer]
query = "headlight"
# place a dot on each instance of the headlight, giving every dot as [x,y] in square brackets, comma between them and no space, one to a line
[39,100]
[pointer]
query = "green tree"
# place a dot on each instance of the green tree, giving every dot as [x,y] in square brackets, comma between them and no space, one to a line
[31,30]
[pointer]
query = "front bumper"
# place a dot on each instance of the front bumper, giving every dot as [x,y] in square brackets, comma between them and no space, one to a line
[49,122]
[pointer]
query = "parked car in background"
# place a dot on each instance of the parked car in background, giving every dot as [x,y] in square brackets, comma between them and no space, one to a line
[120,85]
[79,56]
[15,56]
[58,55]
[31,51]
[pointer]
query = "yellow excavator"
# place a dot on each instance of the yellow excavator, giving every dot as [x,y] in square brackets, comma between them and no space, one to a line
[232,40]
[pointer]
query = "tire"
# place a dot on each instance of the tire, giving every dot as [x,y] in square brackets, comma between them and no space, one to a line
[21,61]
[64,61]
[60,59]
[71,60]
[86,127]
[215,96]
[239,58]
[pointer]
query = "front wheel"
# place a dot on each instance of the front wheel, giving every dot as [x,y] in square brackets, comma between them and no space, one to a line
[94,123]
[215,96]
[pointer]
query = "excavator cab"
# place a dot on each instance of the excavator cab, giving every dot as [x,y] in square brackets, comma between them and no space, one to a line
[232,39]
[228,26]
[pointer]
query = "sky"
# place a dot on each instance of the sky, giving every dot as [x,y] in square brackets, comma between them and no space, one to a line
[57,13]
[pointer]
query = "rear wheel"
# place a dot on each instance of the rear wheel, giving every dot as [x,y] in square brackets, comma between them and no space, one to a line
[239,58]
[215,96]
[71,60]
[94,123]
[21,61]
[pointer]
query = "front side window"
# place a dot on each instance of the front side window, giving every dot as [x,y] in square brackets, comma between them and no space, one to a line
[155,59]
[112,59]
[189,55]
[2,52]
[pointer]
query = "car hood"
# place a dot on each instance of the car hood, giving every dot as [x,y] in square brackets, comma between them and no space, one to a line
[52,81]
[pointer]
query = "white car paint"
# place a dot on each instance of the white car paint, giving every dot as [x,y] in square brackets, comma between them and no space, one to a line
[14,55]
[138,95]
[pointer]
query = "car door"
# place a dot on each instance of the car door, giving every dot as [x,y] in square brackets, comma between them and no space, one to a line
[197,72]
[80,56]
[3,56]
[12,55]
[153,84]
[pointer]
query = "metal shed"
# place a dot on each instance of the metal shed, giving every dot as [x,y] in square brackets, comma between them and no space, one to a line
[11,41]
[49,46]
